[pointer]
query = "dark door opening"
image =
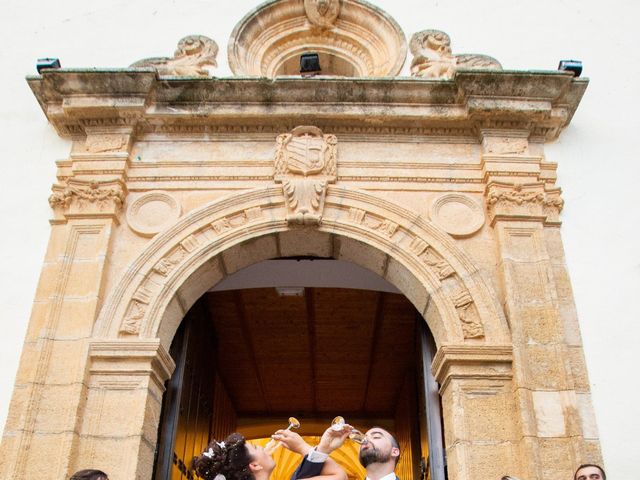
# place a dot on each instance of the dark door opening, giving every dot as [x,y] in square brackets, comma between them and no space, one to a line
[248,359]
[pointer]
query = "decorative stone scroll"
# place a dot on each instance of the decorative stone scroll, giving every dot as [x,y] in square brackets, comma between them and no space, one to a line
[322,13]
[82,196]
[193,54]
[524,201]
[305,163]
[432,57]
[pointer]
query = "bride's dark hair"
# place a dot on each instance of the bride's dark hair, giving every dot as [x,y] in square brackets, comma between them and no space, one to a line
[229,458]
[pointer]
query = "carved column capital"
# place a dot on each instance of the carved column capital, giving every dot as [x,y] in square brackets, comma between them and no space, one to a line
[528,202]
[87,199]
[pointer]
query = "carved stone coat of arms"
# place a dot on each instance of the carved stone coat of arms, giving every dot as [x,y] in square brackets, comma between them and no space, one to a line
[305,164]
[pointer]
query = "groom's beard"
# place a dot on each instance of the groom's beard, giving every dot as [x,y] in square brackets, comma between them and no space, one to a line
[373,455]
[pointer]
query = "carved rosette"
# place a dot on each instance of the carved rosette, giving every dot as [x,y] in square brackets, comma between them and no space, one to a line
[87,198]
[305,163]
[524,201]
[433,58]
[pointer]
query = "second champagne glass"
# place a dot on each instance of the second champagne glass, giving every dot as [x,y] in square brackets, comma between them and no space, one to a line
[356,435]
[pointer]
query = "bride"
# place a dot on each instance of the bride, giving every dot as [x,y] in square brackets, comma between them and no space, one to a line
[235,459]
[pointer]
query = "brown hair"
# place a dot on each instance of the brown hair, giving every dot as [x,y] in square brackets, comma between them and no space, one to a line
[89,474]
[229,458]
[585,465]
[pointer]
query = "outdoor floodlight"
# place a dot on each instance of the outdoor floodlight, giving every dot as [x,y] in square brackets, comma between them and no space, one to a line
[574,66]
[47,63]
[309,64]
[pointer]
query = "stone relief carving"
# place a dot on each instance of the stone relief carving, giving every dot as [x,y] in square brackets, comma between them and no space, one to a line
[322,13]
[433,58]
[225,224]
[514,200]
[85,193]
[148,287]
[471,325]
[425,253]
[520,194]
[517,194]
[164,266]
[105,143]
[305,163]
[192,57]
[359,216]
[131,322]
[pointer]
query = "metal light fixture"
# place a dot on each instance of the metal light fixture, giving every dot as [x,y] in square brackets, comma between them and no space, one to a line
[47,63]
[290,291]
[574,66]
[309,64]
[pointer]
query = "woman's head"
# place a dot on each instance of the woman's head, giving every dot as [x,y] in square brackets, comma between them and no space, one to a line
[89,475]
[233,458]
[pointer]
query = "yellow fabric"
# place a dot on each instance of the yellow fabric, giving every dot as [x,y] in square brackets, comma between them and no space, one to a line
[287,461]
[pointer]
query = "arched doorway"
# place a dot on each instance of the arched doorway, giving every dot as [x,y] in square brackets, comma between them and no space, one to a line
[210,244]
[308,337]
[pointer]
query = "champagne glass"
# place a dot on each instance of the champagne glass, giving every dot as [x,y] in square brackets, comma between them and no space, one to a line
[356,435]
[273,445]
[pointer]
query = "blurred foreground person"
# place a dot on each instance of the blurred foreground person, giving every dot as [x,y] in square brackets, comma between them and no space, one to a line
[89,474]
[590,471]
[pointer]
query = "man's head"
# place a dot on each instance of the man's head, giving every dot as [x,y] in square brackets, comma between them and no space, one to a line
[89,474]
[590,472]
[380,447]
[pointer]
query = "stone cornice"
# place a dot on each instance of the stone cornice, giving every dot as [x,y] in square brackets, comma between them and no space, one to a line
[472,362]
[118,363]
[542,103]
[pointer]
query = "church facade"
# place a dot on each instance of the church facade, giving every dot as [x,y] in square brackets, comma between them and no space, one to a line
[436,183]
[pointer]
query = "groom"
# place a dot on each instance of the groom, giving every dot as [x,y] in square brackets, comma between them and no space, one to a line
[379,454]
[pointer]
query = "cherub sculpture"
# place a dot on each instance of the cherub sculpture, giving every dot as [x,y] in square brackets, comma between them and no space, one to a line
[192,57]
[432,57]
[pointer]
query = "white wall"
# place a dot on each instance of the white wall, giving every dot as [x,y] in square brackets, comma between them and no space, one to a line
[596,154]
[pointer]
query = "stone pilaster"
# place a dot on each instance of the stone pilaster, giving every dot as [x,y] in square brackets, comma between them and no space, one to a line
[556,428]
[478,410]
[50,388]
[123,402]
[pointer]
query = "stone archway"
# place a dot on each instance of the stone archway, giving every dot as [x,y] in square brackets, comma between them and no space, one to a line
[220,238]
[138,321]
